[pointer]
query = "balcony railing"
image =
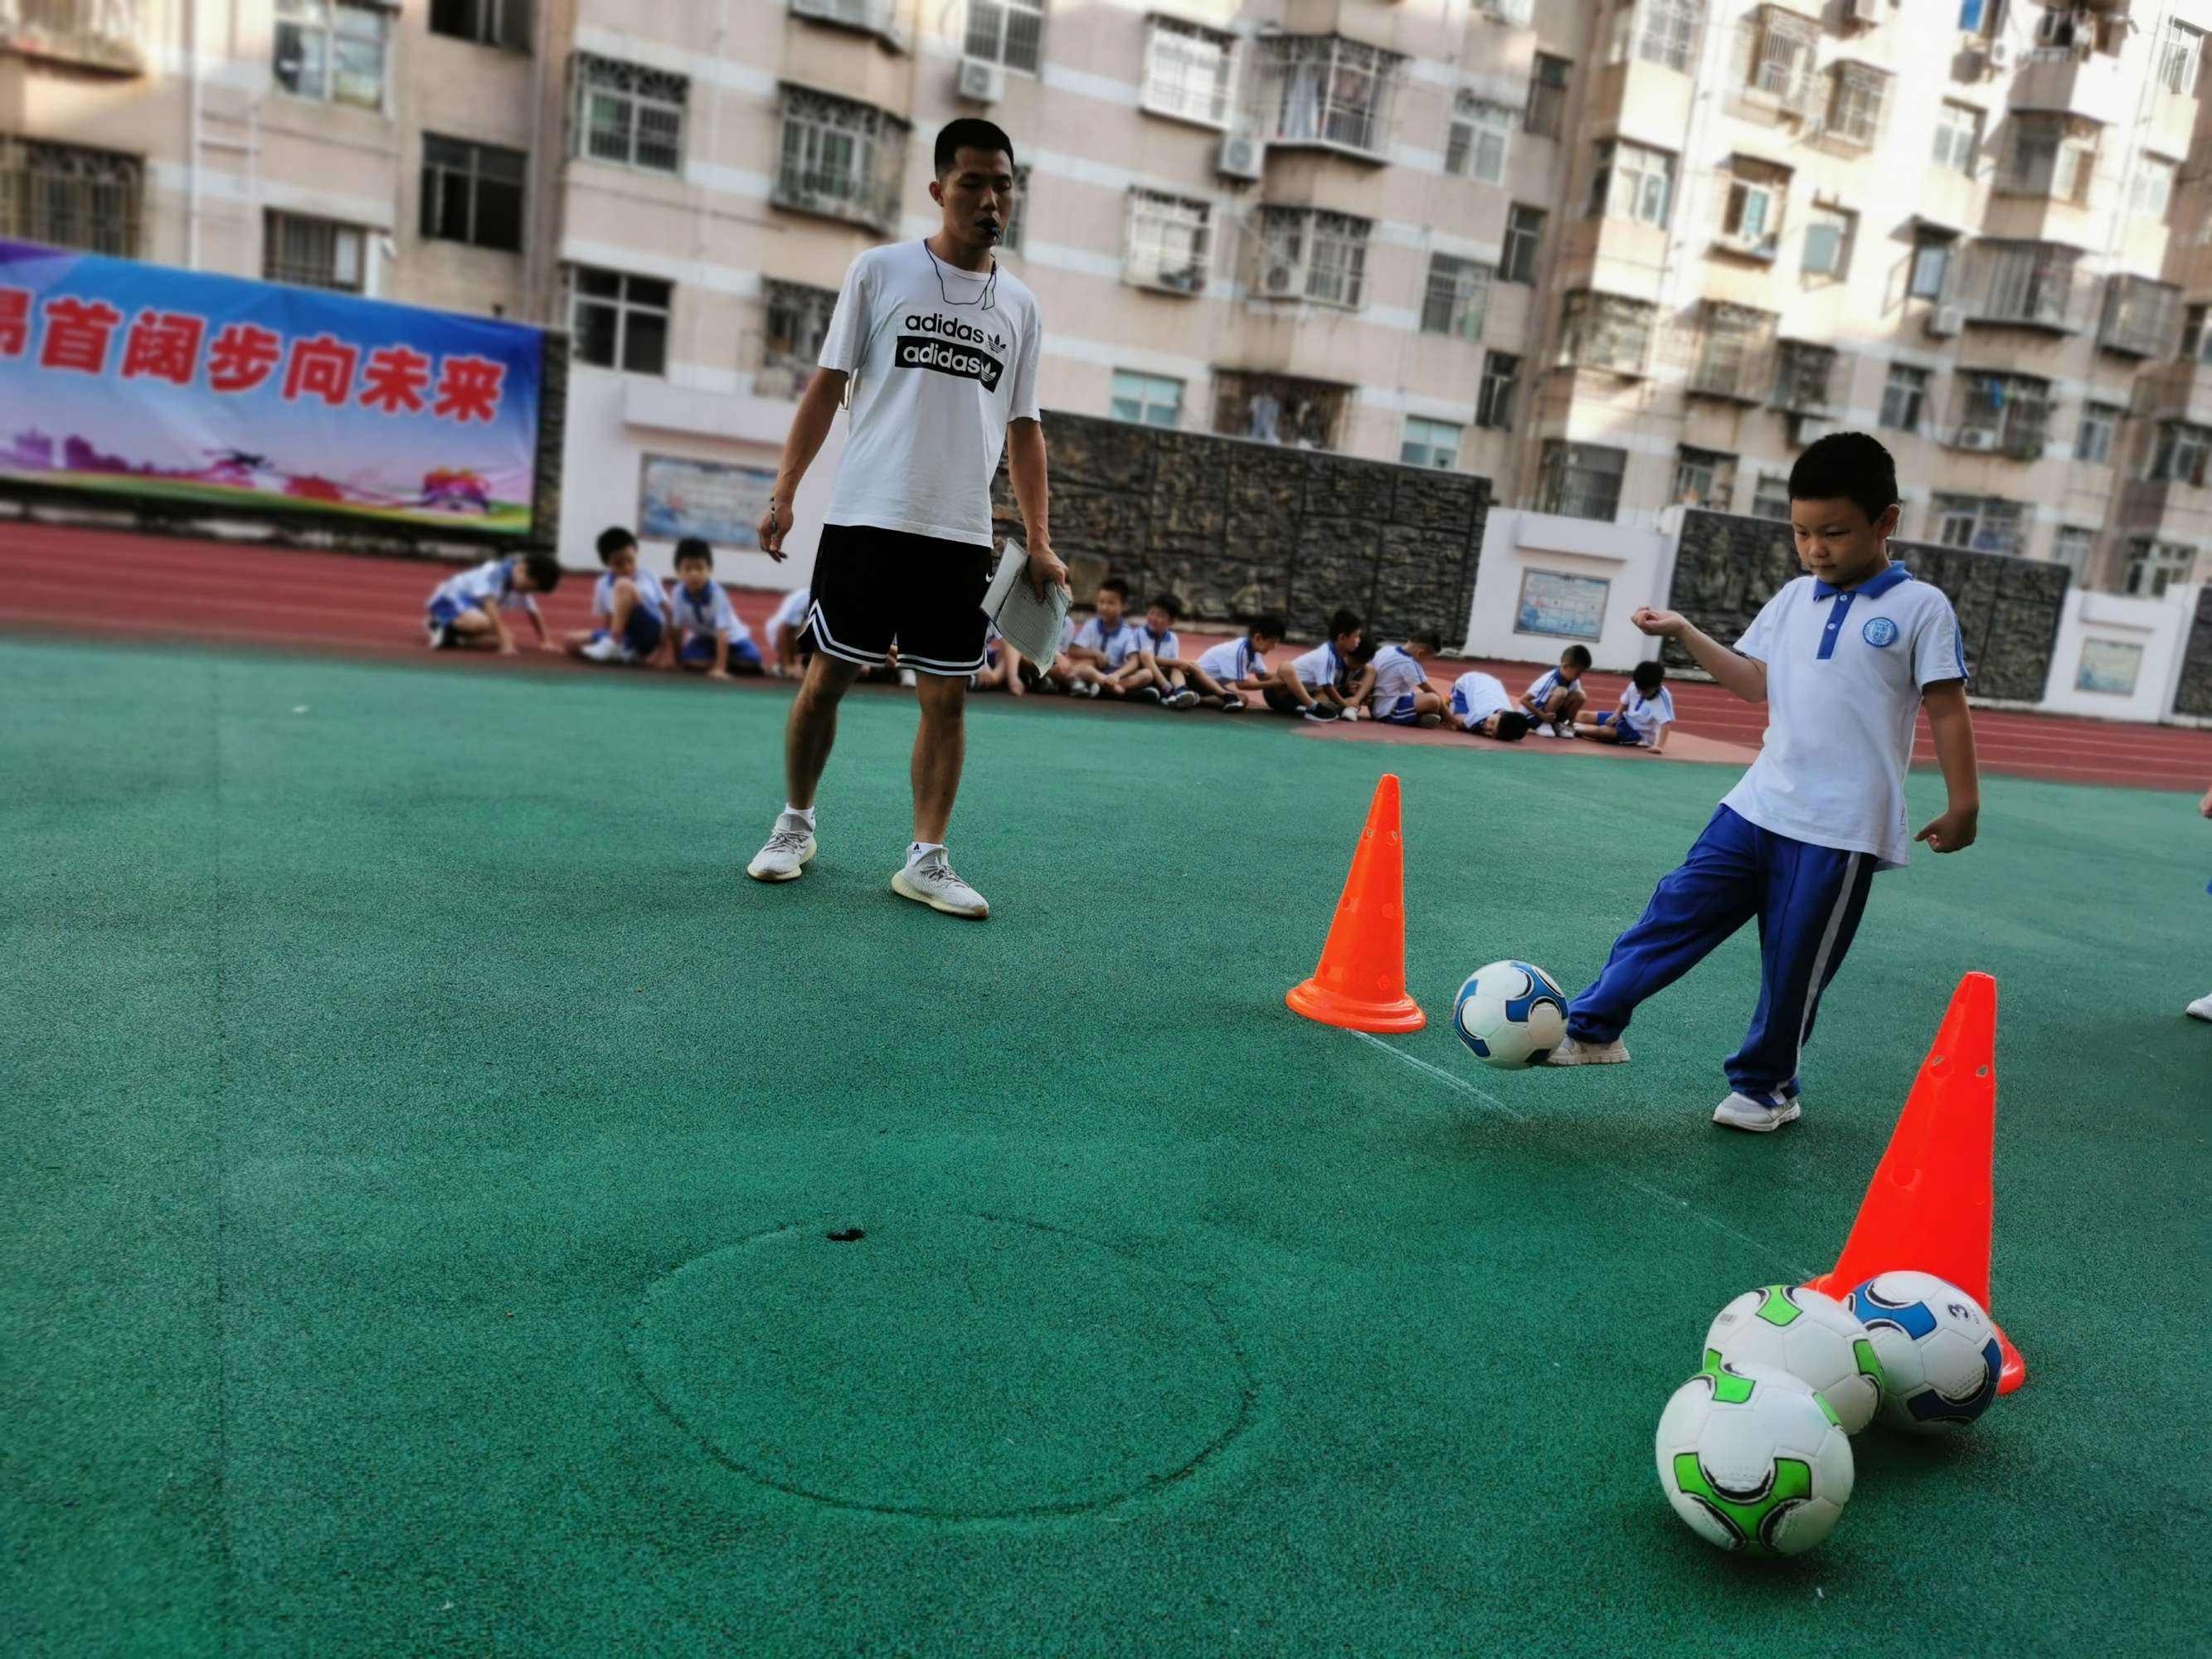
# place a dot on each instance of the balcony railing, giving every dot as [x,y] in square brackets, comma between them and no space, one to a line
[104,34]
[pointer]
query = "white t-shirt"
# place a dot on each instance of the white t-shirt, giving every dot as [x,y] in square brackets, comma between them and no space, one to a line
[1319,666]
[709,613]
[1396,673]
[1164,647]
[648,594]
[1234,659]
[1542,687]
[490,583]
[1115,646]
[1648,714]
[1844,672]
[791,613]
[1475,696]
[936,376]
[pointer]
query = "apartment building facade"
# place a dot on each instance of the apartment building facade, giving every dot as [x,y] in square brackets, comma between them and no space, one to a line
[1610,256]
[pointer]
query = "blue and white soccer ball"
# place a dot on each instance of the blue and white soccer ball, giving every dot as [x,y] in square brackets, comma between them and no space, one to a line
[1511,1014]
[1940,1357]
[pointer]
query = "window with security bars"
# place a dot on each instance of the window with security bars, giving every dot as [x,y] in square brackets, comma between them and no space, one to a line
[1580,481]
[1170,242]
[629,114]
[1856,98]
[1985,523]
[1457,296]
[472,193]
[1631,181]
[839,158]
[2140,316]
[1704,477]
[1667,32]
[1008,32]
[790,345]
[1782,43]
[69,195]
[1803,376]
[2002,413]
[1547,96]
[1958,138]
[1606,331]
[2029,283]
[331,52]
[1432,444]
[1187,69]
[1279,408]
[1324,89]
[2098,430]
[1500,390]
[2180,55]
[1147,399]
[488,22]
[1735,343]
[616,320]
[2180,453]
[2050,155]
[2154,566]
[1524,239]
[1480,139]
[1770,497]
[1306,254]
[309,253]
[2071,546]
[1904,398]
[1751,209]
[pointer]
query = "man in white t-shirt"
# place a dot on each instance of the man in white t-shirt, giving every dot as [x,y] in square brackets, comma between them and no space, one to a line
[934,347]
[1845,659]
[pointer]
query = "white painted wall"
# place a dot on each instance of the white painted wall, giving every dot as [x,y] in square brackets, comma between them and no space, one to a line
[2159,626]
[1639,564]
[614,420]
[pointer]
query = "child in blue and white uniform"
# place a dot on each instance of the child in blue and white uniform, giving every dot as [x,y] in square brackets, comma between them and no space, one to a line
[1845,659]
[786,634]
[1556,696]
[1224,671]
[1098,649]
[710,635]
[1312,683]
[1150,674]
[466,609]
[1480,705]
[1395,685]
[630,607]
[1647,709]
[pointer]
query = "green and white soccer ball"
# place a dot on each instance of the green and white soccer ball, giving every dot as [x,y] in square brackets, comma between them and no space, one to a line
[1815,1338]
[1754,1461]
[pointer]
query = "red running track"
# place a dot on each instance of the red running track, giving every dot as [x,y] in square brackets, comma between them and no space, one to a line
[161,587]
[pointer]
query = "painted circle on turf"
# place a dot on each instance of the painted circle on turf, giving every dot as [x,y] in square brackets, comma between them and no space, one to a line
[946,1366]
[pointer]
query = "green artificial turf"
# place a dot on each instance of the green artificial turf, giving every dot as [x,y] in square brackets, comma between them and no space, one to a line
[424,1143]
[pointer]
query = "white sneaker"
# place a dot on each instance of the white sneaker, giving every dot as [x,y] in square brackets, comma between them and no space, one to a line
[1563,729]
[1572,1052]
[1759,1116]
[1544,729]
[606,650]
[2202,1008]
[784,858]
[929,880]
[1183,697]
[1430,721]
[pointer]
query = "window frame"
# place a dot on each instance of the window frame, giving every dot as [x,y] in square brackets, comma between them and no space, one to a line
[636,91]
[1484,121]
[1443,460]
[326,20]
[1144,399]
[277,265]
[1220,102]
[1498,391]
[1001,46]
[1521,237]
[433,201]
[624,307]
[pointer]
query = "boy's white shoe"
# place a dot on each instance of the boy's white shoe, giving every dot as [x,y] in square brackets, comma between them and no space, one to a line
[1430,721]
[1563,728]
[2202,1008]
[606,650]
[784,858]
[1182,697]
[1572,1052]
[1743,1112]
[929,880]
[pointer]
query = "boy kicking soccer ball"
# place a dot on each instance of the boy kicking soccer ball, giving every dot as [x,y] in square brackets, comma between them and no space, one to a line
[1845,659]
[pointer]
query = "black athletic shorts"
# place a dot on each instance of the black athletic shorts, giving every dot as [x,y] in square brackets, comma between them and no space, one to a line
[874,588]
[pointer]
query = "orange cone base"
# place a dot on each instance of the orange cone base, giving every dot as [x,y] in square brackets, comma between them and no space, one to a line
[1317,1001]
[2010,1374]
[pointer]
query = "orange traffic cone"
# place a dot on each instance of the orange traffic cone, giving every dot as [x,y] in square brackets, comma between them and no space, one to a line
[1931,1201]
[1361,982]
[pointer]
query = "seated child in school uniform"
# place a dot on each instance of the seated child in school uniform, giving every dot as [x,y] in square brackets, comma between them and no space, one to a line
[1234,666]
[1480,705]
[786,634]
[1394,683]
[710,635]
[1647,709]
[630,607]
[1002,666]
[1094,652]
[1145,674]
[1312,684]
[1555,697]
[465,609]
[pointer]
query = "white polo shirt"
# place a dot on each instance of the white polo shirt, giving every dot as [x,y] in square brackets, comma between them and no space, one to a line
[1114,645]
[1475,696]
[791,613]
[1319,666]
[1397,672]
[709,613]
[1234,659]
[1164,646]
[1844,673]
[650,594]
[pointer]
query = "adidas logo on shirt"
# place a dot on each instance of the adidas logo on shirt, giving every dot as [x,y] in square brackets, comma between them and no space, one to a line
[958,353]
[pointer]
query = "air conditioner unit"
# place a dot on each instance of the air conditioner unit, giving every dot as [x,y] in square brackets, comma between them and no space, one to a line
[1280,280]
[1945,321]
[1998,55]
[1240,158]
[981,82]
[1975,437]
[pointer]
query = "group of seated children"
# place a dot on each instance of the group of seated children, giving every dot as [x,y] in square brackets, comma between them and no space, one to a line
[689,624]
[1480,703]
